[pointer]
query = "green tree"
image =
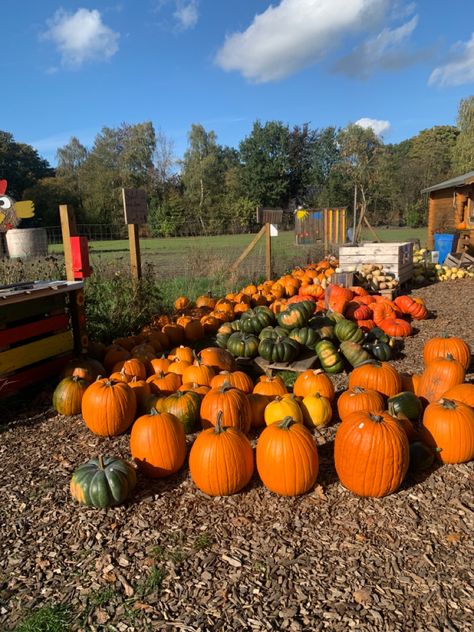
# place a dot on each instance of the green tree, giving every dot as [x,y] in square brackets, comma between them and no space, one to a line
[70,160]
[463,150]
[20,165]
[48,194]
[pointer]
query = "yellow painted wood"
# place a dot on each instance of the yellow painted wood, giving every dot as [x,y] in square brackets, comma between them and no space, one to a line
[19,357]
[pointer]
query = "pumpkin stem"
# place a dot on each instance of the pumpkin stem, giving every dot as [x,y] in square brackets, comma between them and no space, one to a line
[225,387]
[101,462]
[448,403]
[286,423]
[219,427]
[358,389]
[377,418]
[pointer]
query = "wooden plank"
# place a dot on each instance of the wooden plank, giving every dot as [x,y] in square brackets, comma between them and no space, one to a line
[28,309]
[49,289]
[307,361]
[68,229]
[13,383]
[268,252]
[135,258]
[30,330]
[19,357]
[249,248]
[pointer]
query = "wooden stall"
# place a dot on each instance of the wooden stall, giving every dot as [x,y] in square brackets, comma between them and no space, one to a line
[42,325]
[326,226]
[395,257]
[451,210]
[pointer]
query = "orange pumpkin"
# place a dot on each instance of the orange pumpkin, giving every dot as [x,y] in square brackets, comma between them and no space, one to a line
[162,384]
[232,403]
[174,333]
[270,386]
[371,454]
[182,302]
[132,368]
[181,353]
[439,376]
[396,327]
[441,347]
[114,354]
[108,407]
[237,379]
[218,359]
[160,364]
[463,393]
[376,376]
[258,403]
[199,373]
[359,399]
[179,367]
[312,381]
[448,428]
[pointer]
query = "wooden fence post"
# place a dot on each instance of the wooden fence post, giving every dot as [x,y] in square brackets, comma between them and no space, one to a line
[68,230]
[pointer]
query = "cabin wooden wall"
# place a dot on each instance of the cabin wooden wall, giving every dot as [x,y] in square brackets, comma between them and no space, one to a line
[445,210]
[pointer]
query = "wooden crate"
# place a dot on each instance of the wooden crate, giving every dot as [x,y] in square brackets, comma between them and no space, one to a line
[41,324]
[395,257]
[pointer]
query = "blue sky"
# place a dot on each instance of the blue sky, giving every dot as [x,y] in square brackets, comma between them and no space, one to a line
[70,68]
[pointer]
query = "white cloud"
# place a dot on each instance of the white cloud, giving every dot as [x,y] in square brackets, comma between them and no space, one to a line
[458,71]
[81,37]
[186,14]
[387,51]
[295,34]
[377,125]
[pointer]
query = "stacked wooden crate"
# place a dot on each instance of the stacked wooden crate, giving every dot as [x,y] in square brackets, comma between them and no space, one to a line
[41,325]
[395,257]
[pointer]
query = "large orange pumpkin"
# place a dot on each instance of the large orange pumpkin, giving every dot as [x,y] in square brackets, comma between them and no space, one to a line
[371,453]
[237,379]
[199,373]
[314,381]
[359,399]
[376,376]
[158,444]
[448,428]
[218,359]
[258,403]
[221,460]
[287,458]
[441,347]
[439,376]
[132,368]
[232,403]
[108,407]
[463,393]
[270,386]
[162,384]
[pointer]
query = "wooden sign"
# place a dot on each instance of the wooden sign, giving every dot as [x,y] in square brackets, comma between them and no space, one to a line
[269,215]
[134,206]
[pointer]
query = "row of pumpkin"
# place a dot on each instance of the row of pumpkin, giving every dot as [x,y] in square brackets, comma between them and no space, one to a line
[371,447]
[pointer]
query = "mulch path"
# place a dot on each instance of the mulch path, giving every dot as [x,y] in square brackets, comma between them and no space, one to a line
[175,559]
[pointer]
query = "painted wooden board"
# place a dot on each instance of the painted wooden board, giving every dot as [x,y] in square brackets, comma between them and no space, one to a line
[10,313]
[298,366]
[13,383]
[37,289]
[22,332]
[19,357]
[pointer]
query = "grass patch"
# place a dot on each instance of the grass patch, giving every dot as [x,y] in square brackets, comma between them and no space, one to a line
[202,542]
[47,619]
[152,582]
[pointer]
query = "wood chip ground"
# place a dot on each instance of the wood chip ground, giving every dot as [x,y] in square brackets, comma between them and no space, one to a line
[174,559]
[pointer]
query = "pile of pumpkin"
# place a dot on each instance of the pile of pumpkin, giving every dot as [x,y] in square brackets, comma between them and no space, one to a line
[388,421]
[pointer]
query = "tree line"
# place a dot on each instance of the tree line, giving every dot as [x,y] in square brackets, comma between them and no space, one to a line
[215,189]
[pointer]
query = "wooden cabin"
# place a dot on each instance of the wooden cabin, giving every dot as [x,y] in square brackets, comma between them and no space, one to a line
[451,210]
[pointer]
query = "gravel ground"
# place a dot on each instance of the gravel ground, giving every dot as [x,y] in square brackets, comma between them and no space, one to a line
[174,559]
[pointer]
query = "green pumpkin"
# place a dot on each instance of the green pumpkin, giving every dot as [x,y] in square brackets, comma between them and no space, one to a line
[328,356]
[223,334]
[336,317]
[243,345]
[272,332]
[354,353]
[305,336]
[296,315]
[421,457]
[185,405]
[377,335]
[380,350]
[67,396]
[348,330]
[254,320]
[281,349]
[405,403]
[103,482]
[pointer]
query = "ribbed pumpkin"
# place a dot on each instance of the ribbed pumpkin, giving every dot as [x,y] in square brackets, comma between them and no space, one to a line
[114,354]
[443,346]
[463,393]
[312,381]
[317,410]
[160,365]
[270,386]
[237,379]
[281,407]
[359,399]
[396,327]
[185,406]
[103,482]
[219,359]
[158,444]
[132,368]
[371,454]
[258,403]
[86,368]
[179,367]
[108,407]
[287,458]
[439,376]
[376,376]
[142,391]
[221,460]
[182,353]
[196,388]
[164,384]
[199,373]
[233,405]
[448,428]
[67,396]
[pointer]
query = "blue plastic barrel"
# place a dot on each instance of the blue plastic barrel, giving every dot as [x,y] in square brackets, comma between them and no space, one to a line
[444,243]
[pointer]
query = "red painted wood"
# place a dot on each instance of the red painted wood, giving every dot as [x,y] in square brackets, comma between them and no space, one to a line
[23,332]
[13,383]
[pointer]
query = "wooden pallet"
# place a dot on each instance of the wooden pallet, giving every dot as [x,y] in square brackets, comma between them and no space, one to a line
[306,361]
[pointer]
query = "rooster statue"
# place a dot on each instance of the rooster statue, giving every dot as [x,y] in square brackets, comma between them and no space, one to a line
[11,212]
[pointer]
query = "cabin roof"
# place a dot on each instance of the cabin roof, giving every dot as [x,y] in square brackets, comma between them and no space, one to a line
[458,181]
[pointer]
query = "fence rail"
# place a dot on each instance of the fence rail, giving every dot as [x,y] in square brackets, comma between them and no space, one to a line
[93,232]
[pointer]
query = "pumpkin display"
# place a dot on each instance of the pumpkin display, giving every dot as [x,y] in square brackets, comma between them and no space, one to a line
[281,407]
[407,404]
[221,460]
[270,386]
[296,315]
[314,381]
[439,376]
[182,353]
[103,482]
[317,410]
[114,354]
[199,373]
[257,403]
[219,359]
[231,403]
[243,345]
[463,393]
[441,347]
[329,357]
[196,388]
[67,396]
[160,365]
[158,444]
[273,332]
[359,399]
[336,298]
[179,366]
[132,368]
[376,376]
[448,428]
[237,379]
[164,384]
[371,453]
[379,350]
[142,391]
[185,406]
[348,330]
[280,349]
[254,320]
[396,327]
[108,407]
[354,353]
[287,458]
[86,368]
[306,336]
